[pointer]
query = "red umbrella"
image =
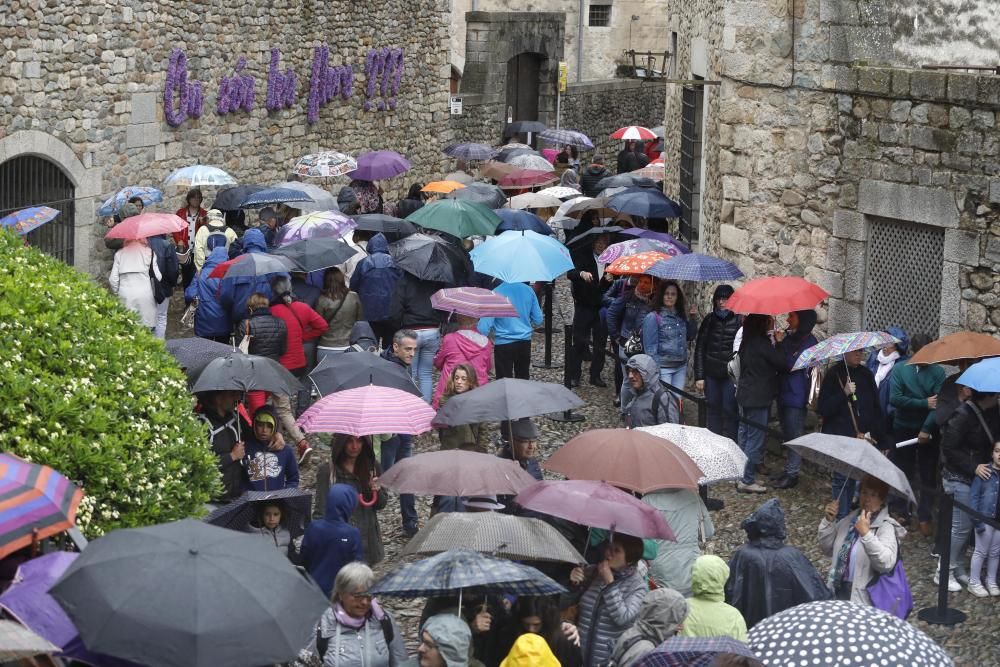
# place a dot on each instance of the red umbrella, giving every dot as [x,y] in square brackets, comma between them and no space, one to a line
[634,132]
[368,410]
[626,458]
[456,473]
[526,178]
[145,225]
[776,295]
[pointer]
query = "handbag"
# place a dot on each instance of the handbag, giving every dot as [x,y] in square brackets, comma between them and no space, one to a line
[244,345]
[890,592]
[633,344]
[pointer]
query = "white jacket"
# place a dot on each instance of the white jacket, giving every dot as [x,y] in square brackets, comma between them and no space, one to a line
[878,552]
[130,279]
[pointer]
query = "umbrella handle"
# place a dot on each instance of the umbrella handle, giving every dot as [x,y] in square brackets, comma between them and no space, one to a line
[367,503]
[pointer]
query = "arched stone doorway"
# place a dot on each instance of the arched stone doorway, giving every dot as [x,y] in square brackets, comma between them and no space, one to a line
[30,180]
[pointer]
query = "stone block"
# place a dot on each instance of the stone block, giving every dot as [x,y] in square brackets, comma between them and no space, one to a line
[951,296]
[900,82]
[988,90]
[734,238]
[962,87]
[995,192]
[928,84]
[735,188]
[831,281]
[844,315]
[142,134]
[792,198]
[992,254]
[849,225]
[929,206]
[873,80]
[32,70]
[854,270]
[144,107]
[961,246]
[932,139]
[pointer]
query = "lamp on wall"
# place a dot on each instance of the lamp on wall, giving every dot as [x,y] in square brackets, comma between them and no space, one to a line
[635,17]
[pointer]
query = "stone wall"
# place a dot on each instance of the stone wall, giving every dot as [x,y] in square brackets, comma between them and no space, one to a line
[599,108]
[87,79]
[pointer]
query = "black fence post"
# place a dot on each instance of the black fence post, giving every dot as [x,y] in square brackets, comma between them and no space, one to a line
[568,415]
[547,327]
[942,614]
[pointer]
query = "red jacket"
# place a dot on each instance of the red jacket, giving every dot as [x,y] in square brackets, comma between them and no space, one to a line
[182,237]
[303,323]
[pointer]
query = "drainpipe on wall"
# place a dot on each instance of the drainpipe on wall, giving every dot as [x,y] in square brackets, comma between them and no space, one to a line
[579,46]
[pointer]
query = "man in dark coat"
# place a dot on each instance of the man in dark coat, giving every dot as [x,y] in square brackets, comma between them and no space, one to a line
[589,282]
[593,175]
[767,576]
[712,351]
[793,391]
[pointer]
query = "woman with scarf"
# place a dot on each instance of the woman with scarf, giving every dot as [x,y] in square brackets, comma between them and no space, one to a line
[882,363]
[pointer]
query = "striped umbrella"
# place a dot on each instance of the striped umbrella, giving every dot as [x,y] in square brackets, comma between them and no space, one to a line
[634,132]
[29,219]
[325,164]
[473,302]
[696,267]
[567,138]
[470,151]
[636,246]
[35,502]
[368,410]
[837,345]
[635,264]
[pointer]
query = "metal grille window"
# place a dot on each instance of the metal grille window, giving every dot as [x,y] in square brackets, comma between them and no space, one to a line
[903,285]
[29,180]
[600,16]
[690,169]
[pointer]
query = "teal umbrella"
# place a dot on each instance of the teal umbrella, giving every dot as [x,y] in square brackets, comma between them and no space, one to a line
[456,217]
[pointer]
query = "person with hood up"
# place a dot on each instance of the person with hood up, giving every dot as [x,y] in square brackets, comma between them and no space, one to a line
[130,279]
[708,613]
[211,319]
[463,346]
[713,348]
[362,339]
[445,641]
[593,175]
[663,610]
[569,179]
[686,514]
[624,318]
[793,391]
[211,235]
[270,463]
[649,403]
[331,542]
[766,575]
[234,292]
[530,650]
[374,281]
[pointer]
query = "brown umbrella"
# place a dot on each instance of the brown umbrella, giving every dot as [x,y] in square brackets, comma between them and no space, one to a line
[496,170]
[626,458]
[456,473]
[964,345]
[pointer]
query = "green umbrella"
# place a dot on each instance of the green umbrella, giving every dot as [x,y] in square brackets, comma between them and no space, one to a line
[456,217]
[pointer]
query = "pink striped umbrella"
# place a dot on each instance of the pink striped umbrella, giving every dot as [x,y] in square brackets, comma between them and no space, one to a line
[473,301]
[368,410]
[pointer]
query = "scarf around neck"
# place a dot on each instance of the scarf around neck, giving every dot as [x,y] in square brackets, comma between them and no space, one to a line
[885,364]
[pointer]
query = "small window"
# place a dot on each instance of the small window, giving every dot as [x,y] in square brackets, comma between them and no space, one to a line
[600,16]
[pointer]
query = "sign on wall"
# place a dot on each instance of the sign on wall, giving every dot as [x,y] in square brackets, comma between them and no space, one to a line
[563,76]
[456,106]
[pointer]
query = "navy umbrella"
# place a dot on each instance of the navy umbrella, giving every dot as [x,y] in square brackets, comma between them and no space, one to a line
[270,196]
[645,203]
[520,221]
[350,370]
[232,197]
[237,515]
[625,181]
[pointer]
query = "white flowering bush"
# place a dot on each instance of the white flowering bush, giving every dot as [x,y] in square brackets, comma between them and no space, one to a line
[86,389]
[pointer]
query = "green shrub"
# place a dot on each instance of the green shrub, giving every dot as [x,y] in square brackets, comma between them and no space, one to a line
[86,389]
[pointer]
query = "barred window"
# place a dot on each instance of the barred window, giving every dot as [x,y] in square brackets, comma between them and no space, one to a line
[600,16]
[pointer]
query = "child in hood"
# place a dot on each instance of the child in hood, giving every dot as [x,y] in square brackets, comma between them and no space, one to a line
[271,526]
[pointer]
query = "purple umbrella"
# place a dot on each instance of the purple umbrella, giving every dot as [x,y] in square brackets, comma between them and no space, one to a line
[28,601]
[379,165]
[656,236]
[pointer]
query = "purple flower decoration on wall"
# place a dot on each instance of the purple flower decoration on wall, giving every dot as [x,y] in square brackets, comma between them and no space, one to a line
[237,91]
[281,86]
[327,82]
[192,98]
[383,71]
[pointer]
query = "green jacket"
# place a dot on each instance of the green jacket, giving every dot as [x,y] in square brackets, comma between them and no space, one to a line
[911,387]
[708,614]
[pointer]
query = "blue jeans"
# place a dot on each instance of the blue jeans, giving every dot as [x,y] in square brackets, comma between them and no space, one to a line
[675,377]
[394,449]
[751,440]
[720,394]
[422,368]
[843,490]
[961,524]
[793,423]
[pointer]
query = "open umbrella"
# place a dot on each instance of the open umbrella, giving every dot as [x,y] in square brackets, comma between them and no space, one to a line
[496,170]
[654,171]
[961,346]
[597,505]
[506,399]
[393,228]
[626,458]
[587,238]
[527,161]
[29,219]
[644,202]
[37,502]
[982,376]
[718,457]
[515,537]
[470,151]
[252,264]
[238,514]
[321,199]
[521,221]
[837,345]
[696,267]
[328,224]
[316,254]
[245,372]
[523,127]
[149,195]
[633,132]
[537,200]
[192,354]
[368,410]
[337,372]
[442,187]
[198,174]
[325,164]
[628,180]
[851,457]
[473,302]
[145,225]
[461,177]
[188,594]
[776,295]
[379,165]
[558,191]
[269,196]
[693,651]
[430,258]
[490,196]
[526,178]
[19,643]
[516,257]
[456,473]
[636,264]
[456,217]
[636,246]
[229,199]
[567,138]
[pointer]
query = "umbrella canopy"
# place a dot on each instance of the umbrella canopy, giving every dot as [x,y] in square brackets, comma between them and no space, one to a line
[696,267]
[456,217]
[515,537]
[473,302]
[338,372]
[718,457]
[252,264]
[982,376]
[237,515]
[470,151]
[28,219]
[245,372]
[851,457]
[188,594]
[636,246]
[393,228]
[633,132]
[527,161]
[318,224]
[37,502]
[837,633]
[521,221]
[465,571]
[558,191]
[961,346]
[693,651]
[496,170]
[193,354]
[776,295]
[230,199]
[587,237]
[837,345]
[18,642]
[325,164]
[459,177]
[488,195]
[321,199]
[145,225]
[508,153]
[198,174]
[516,257]
[430,258]
[567,138]
[526,178]
[442,187]
[644,202]
[537,200]
[597,505]
[379,165]
[368,410]
[456,473]
[149,195]
[626,458]
[636,264]
[316,254]
[523,126]
[269,196]
[506,399]
[628,180]
[654,171]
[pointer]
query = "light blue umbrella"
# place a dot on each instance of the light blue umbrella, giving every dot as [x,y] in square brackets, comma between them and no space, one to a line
[147,194]
[522,256]
[982,376]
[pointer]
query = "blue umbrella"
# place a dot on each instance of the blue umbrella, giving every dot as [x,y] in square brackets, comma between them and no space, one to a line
[520,221]
[695,266]
[470,151]
[982,376]
[274,196]
[644,202]
[149,195]
[521,257]
[29,219]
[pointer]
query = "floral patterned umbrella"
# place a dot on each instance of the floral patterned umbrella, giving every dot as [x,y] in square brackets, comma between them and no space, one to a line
[115,203]
[837,345]
[325,164]
[636,246]
[319,224]
[636,264]
[29,219]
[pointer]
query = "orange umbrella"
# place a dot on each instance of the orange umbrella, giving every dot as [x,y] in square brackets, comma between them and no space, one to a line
[956,347]
[635,264]
[442,187]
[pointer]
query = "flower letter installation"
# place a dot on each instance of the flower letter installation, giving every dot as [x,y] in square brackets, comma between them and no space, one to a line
[327,82]
[236,92]
[192,99]
[280,85]
[383,71]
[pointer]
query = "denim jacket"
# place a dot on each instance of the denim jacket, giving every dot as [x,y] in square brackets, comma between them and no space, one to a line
[665,336]
[984,495]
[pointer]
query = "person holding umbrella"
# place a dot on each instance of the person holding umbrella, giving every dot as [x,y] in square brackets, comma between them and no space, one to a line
[374,280]
[713,348]
[589,283]
[196,216]
[131,271]
[512,335]
[218,411]
[793,391]
[666,331]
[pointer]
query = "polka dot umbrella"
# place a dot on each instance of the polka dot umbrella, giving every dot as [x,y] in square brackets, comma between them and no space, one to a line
[836,633]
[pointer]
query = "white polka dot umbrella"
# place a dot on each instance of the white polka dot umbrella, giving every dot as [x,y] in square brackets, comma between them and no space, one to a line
[718,457]
[835,633]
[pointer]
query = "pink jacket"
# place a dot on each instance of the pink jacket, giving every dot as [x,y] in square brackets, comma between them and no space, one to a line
[461,347]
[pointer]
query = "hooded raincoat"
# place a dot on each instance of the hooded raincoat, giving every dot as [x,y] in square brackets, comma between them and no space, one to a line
[530,650]
[662,612]
[453,638]
[688,517]
[641,409]
[331,542]
[211,320]
[709,615]
[465,346]
[374,280]
[767,576]
[235,291]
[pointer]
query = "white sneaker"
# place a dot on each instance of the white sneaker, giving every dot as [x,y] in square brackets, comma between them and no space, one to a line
[953,585]
[993,588]
[750,488]
[977,589]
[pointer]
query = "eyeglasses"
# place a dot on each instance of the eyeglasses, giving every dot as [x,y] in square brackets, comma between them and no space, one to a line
[361,596]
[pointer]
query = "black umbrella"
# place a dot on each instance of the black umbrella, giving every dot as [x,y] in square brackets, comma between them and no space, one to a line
[589,235]
[351,370]
[393,228]
[522,126]
[316,254]
[192,354]
[274,195]
[506,399]
[431,258]
[625,181]
[188,594]
[237,515]
[245,372]
[480,193]
[231,198]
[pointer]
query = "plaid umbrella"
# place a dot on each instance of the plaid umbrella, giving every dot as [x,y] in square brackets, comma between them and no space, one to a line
[192,354]
[696,267]
[526,178]
[325,164]
[238,514]
[693,651]
[633,132]
[837,345]
[480,193]
[463,571]
[567,138]
[515,537]
[654,171]
[333,224]
[269,196]
[636,246]
[198,174]
[470,151]
[18,642]
[29,219]
[145,225]
[636,264]
[368,410]
[113,204]
[851,457]
[35,502]
[718,457]
[560,192]
[473,301]
[528,161]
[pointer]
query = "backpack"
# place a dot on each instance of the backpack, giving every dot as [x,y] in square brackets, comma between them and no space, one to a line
[216,236]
